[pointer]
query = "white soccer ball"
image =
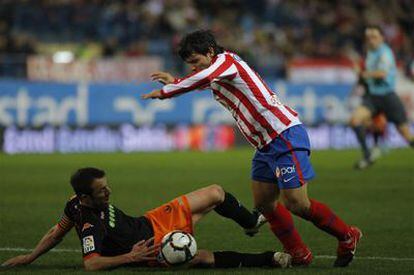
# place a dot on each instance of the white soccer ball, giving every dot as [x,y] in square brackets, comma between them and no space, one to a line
[178,247]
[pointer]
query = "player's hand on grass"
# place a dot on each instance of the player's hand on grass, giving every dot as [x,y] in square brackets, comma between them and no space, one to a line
[152,95]
[163,77]
[18,260]
[144,251]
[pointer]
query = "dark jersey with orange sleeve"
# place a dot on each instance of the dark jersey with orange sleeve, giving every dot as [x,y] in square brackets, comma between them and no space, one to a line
[105,232]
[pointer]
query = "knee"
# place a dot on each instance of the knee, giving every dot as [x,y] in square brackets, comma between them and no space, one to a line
[217,193]
[352,123]
[355,122]
[266,206]
[265,196]
[404,130]
[299,207]
[203,258]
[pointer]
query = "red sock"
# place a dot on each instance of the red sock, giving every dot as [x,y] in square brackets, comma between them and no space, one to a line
[323,218]
[281,224]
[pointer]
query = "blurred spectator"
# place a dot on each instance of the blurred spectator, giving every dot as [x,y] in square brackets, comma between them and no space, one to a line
[266,32]
[109,47]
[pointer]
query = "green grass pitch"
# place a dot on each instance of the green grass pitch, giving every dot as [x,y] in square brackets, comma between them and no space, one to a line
[34,189]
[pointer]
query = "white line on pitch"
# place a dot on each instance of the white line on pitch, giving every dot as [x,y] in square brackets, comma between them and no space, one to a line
[21,249]
[368,258]
[68,250]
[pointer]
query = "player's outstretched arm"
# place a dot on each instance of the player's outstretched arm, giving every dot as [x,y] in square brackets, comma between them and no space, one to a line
[379,74]
[218,69]
[152,95]
[140,252]
[49,240]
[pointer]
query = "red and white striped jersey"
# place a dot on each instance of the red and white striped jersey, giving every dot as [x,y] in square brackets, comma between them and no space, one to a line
[258,112]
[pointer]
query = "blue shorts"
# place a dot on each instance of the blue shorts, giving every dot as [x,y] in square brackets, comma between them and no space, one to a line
[285,160]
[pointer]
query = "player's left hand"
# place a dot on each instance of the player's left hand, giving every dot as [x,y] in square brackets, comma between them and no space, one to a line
[144,251]
[356,66]
[163,77]
[152,95]
[17,261]
[365,74]
[357,69]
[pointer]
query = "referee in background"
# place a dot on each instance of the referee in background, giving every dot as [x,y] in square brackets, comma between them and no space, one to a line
[380,77]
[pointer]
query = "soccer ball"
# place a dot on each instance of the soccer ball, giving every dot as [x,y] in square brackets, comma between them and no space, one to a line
[178,247]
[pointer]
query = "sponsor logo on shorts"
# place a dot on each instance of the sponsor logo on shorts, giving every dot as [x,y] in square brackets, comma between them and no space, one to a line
[289,179]
[88,244]
[287,170]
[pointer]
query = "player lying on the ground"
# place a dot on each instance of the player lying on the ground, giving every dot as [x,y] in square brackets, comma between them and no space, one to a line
[281,166]
[111,238]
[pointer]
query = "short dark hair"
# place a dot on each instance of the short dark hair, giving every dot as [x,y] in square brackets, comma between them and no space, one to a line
[82,179]
[375,27]
[200,42]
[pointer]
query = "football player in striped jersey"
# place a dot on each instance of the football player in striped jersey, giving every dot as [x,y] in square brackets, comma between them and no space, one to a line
[281,166]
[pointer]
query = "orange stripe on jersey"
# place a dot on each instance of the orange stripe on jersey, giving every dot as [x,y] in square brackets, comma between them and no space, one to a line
[90,256]
[60,226]
[64,227]
[65,223]
[65,219]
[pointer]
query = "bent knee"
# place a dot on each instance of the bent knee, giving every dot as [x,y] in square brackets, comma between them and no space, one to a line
[217,193]
[357,121]
[265,206]
[354,122]
[360,117]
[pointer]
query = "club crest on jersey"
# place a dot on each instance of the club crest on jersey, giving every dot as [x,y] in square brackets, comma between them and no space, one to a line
[88,244]
[86,226]
[275,101]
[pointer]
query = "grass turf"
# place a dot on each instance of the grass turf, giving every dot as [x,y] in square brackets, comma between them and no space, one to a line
[34,189]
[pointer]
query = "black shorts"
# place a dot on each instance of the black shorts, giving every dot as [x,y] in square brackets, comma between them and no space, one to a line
[389,104]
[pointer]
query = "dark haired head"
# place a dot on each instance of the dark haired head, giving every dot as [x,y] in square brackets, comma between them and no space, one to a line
[201,42]
[375,27]
[82,179]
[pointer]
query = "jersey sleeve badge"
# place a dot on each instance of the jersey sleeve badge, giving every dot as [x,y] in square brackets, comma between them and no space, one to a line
[88,244]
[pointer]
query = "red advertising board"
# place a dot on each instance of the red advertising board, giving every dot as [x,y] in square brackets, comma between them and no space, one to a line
[103,70]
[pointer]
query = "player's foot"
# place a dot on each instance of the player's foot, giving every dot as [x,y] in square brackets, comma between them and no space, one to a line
[301,257]
[376,153]
[282,260]
[261,220]
[363,164]
[412,143]
[346,249]
[366,162]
